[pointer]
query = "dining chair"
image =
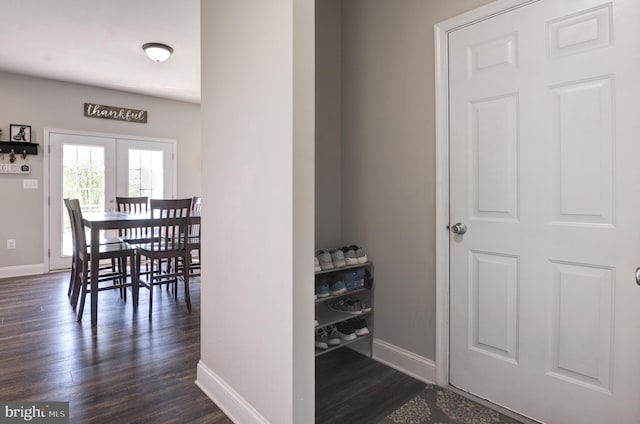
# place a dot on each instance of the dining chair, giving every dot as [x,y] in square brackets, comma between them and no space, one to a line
[133,205]
[194,238]
[171,223]
[119,251]
[196,204]
[73,279]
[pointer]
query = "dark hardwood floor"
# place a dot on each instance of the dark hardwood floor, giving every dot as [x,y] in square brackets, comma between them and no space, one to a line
[128,370]
[131,370]
[354,389]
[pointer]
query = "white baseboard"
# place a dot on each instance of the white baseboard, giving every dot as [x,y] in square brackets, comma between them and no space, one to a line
[231,402]
[21,270]
[404,361]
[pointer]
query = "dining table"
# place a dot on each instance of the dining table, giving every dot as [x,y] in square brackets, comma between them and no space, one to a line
[113,220]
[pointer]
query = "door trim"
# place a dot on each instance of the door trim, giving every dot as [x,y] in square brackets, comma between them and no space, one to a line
[441,43]
[45,173]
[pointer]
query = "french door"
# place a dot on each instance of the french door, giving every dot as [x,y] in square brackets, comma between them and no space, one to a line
[544,209]
[95,169]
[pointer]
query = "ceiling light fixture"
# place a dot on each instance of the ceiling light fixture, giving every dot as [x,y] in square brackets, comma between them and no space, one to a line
[157,52]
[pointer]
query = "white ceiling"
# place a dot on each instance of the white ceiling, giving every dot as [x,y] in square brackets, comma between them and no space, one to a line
[99,42]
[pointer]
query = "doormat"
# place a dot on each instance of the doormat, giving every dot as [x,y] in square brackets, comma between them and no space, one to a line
[435,405]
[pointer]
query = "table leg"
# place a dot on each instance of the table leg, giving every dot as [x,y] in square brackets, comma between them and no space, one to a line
[95,263]
[135,281]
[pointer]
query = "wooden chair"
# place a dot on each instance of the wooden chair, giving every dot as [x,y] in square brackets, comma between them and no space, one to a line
[75,271]
[194,238]
[74,275]
[120,251]
[133,205]
[196,204]
[170,245]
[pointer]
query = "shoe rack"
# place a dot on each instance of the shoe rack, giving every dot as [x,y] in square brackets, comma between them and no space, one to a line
[326,317]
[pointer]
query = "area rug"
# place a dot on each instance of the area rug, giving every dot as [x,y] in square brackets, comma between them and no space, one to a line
[435,405]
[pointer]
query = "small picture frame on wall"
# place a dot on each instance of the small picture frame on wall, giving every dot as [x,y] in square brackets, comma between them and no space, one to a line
[21,133]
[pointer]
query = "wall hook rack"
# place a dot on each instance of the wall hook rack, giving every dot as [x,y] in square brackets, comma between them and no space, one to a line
[23,149]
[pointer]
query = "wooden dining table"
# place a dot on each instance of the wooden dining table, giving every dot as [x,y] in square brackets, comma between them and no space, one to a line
[112,220]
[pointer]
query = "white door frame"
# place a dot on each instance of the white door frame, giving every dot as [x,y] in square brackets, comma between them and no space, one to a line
[45,172]
[441,39]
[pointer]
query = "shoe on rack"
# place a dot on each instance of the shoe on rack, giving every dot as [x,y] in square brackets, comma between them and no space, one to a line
[337,257]
[322,290]
[359,326]
[364,306]
[322,338]
[316,264]
[324,257]
[348,306]
[349,256]
[360,255]
[346,331]
[338,287]
[334,336]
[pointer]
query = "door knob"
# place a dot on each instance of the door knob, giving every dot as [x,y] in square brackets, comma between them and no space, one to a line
[459,228]
[638,276]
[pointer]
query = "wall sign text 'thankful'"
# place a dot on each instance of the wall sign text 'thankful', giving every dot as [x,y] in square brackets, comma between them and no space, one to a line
[93,110]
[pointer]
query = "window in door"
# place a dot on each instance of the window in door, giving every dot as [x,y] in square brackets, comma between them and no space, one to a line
[146,172]
[83,177]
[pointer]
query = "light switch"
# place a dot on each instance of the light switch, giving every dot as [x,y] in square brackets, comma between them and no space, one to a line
[30,183]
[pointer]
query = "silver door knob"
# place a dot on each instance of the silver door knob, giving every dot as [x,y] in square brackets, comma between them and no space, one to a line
[459,228]
[638,276]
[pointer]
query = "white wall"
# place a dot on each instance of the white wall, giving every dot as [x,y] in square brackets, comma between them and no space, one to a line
[45,103]
[388,157]
[257,109]
[328,147]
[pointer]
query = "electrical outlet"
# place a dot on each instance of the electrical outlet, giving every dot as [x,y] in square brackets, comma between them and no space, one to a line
[30,184]
[11,243]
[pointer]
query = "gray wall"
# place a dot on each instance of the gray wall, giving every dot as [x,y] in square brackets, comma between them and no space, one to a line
[45,103]
[388,156]
[328,187]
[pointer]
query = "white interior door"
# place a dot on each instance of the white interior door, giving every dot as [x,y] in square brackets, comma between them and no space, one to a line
[96,169]
[544,308]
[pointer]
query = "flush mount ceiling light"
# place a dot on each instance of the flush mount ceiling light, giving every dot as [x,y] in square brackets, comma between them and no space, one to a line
[157,52]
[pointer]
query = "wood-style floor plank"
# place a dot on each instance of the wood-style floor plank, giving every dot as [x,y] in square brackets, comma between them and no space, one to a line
[127,370]
[354,389]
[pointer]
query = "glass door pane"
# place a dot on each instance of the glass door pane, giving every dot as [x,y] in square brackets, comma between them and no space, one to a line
[83,178]
[146,168]
[146,173]
[81,167]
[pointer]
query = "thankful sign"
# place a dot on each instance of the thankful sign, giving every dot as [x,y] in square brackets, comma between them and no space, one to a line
[93,110]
